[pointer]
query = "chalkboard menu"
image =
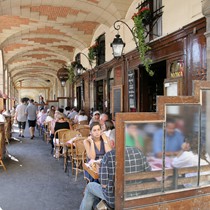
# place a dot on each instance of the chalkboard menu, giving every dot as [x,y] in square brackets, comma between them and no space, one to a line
[131,89]
[117,99]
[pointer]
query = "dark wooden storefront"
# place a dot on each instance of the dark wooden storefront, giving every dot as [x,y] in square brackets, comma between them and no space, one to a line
[185,47]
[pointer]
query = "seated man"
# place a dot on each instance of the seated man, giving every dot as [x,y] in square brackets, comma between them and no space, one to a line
[106,191]
[173,143]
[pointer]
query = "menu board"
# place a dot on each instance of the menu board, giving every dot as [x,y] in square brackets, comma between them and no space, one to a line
[117,99]
[131,89]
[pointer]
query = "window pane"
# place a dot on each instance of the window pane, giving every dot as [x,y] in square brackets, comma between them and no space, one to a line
[205,143]
[143,170]
[157,29]
[181,145]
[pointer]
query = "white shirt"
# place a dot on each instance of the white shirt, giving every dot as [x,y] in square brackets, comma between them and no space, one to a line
[107,133]
[81,118]
[189,159]
[2,118]
[21,110]
[48,119]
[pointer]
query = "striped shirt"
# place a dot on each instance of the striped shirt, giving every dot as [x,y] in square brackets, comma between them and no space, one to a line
[135,161]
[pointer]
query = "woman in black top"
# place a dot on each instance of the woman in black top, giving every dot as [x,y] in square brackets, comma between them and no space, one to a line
[61,123]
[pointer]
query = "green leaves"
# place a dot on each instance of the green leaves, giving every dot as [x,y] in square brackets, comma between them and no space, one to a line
[92,51]
[91,54]
[71,74]
[139,32]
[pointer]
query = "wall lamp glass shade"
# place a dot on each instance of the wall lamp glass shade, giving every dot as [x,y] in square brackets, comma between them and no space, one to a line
[80,69]
[117,46]
[63,83]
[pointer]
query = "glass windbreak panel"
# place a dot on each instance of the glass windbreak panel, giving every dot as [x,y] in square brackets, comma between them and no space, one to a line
[143,170]
[181,144]
[205,139]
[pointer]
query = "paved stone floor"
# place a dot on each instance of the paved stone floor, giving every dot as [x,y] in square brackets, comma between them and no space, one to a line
[34,180]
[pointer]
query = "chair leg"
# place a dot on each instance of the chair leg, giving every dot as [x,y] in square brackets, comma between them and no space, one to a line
[72,166]
[66,160]
[77,168]
[2,164]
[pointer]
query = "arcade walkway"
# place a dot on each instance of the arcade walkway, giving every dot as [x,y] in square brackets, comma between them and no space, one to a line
[37,181]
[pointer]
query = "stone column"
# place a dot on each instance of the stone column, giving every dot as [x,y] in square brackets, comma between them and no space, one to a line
[206,13]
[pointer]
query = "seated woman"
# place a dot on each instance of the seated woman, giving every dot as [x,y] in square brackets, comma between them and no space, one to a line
[50,116]
[96,145]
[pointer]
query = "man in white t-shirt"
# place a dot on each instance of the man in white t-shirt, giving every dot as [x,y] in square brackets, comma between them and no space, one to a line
[21,117]
[31,112]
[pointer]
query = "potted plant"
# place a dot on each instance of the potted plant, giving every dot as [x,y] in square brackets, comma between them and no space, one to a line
[92,51]
[71,70]
[141,19]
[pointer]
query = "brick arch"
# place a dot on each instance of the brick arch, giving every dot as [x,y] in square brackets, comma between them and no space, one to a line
[31,28]
[55,50]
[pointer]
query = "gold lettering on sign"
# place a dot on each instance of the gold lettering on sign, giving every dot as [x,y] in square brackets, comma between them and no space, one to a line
[177,69]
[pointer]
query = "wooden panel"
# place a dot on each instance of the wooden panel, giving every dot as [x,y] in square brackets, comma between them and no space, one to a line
[1,104]
[198,202]
[189,198]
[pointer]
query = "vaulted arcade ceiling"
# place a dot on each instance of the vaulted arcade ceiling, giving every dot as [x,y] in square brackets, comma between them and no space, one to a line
[38,36]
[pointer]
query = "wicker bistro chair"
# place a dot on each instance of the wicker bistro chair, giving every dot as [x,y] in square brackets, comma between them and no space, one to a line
[75,126]
[78,155]
[83,122]
[85,131]
[58,145]
[66,136]
[46,134]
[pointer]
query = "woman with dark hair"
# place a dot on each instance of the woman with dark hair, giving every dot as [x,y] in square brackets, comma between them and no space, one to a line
[96,145]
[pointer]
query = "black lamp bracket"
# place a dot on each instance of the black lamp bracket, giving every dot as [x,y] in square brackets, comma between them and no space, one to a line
[117,27]
[88,59]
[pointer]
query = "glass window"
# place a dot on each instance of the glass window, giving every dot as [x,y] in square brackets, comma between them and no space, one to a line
[78,58]
[100,58]
[181,144]
[170,155]
[153,22]
[205,140]
[157,28]
[140,159]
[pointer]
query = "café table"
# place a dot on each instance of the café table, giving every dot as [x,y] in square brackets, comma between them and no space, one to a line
[90,170]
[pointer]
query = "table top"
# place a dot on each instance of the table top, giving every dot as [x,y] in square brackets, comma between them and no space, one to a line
[93,173]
